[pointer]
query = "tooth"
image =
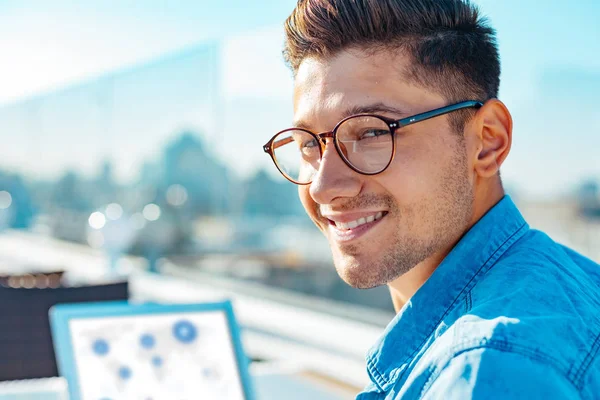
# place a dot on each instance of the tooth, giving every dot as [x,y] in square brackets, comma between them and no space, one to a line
[358,222]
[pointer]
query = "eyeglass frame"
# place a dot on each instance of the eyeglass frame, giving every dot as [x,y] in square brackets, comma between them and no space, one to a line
[393,125]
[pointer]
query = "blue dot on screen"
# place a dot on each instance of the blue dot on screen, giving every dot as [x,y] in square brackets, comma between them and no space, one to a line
[147,341]
[100,347]
[125,373]
[157,361]
[185,331]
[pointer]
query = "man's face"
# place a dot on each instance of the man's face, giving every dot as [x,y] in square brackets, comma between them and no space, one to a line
[424,198]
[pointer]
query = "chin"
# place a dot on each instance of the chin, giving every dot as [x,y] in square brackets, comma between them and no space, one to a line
[359,276]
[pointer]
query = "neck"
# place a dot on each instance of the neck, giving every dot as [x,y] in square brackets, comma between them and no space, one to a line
[405,286]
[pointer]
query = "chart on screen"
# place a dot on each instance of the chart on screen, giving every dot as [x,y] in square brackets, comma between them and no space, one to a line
[154,357]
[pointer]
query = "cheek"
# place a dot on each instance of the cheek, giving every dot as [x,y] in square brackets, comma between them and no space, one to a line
[309,204]
[411,176]
[419,166]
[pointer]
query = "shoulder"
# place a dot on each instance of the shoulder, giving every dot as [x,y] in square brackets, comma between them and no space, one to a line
[537,303]
[536,286]
[536,291]
[489,373]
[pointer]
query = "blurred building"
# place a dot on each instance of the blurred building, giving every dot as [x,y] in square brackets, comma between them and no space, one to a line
[263,195]
[16,204]
[202,179]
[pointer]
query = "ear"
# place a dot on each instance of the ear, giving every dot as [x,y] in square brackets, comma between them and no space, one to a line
[494,132]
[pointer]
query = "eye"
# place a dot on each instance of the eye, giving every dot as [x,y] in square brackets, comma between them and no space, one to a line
[310,149]
[309,144]
[371,133]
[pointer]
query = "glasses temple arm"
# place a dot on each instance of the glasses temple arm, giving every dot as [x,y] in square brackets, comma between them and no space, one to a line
[277,144]
[439,111]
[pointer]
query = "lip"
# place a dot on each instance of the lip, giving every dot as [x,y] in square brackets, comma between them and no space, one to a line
[352,234]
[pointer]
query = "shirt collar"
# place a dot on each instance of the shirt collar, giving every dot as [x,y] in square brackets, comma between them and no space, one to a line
[474,254]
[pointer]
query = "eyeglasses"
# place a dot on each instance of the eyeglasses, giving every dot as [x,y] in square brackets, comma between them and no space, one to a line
[366,143]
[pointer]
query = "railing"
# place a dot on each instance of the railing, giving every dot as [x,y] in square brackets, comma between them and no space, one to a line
[322,340]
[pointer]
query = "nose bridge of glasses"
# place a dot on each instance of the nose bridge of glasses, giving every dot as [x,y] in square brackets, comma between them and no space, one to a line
[323,136]
[337,150]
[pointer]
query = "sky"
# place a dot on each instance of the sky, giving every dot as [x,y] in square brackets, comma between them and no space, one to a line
[133,73]
[50,44]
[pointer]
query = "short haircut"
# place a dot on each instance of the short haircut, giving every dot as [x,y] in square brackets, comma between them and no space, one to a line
[452,47]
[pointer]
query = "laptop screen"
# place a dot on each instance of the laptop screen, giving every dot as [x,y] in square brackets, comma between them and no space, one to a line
[123,351]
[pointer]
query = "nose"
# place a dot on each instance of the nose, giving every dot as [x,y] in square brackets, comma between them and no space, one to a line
[334,179]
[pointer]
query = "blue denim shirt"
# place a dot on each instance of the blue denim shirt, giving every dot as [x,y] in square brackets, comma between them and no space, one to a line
[508,314]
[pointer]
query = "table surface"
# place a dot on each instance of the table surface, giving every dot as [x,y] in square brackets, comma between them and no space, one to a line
[266,386]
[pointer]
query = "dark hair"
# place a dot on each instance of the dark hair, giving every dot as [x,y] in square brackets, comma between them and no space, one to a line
[453,49]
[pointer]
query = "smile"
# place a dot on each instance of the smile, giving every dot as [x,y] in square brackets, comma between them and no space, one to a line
[343,229]
[358,222]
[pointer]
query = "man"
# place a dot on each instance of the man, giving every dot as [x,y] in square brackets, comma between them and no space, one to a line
[396,147]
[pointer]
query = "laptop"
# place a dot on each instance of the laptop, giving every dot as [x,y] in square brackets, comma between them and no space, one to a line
[123,351]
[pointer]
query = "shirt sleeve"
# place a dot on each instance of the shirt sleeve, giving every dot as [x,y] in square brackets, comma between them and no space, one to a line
[490,373]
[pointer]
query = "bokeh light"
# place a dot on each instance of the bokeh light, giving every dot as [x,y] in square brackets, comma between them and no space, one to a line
[95,239]
[5,200]
[97,220]
[28,281]
[151,212]
[177,195]
[114,211]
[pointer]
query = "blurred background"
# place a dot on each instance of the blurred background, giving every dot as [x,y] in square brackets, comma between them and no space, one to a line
[131,134]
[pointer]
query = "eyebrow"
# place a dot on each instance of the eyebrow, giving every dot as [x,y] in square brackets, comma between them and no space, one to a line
[375,108]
